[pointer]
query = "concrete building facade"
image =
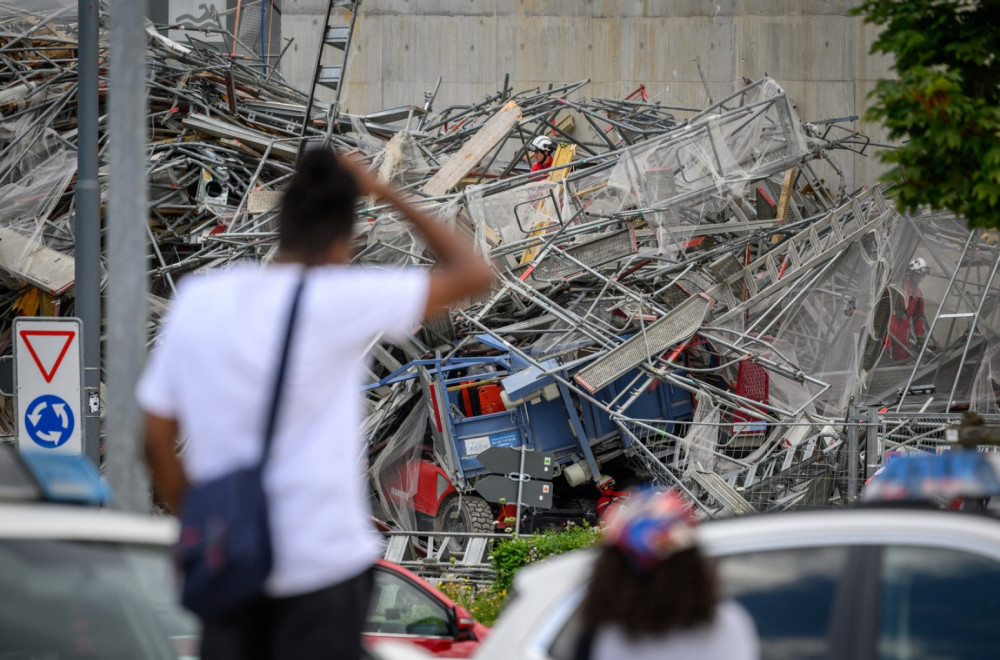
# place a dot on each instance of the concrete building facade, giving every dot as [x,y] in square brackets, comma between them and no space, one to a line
[814,48]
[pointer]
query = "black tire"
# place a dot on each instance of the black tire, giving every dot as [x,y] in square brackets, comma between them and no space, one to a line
[466,514]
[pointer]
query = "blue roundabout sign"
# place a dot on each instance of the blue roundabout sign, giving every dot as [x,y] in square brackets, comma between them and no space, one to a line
[49,421]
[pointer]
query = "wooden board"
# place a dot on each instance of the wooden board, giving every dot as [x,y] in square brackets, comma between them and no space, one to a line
[474,150]
[29,260]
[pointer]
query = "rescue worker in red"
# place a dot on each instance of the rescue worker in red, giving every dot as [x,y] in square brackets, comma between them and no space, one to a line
[908,324]
[610,497]
[540,153]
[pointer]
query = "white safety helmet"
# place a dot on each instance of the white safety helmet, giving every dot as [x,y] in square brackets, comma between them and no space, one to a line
[919,265]
[542,143]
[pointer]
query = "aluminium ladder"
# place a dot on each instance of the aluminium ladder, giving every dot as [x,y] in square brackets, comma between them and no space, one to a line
[337,36]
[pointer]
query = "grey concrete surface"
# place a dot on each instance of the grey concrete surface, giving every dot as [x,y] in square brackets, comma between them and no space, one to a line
[812,47]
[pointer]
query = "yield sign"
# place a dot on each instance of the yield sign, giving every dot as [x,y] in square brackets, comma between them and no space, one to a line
[48,385]
[47,348]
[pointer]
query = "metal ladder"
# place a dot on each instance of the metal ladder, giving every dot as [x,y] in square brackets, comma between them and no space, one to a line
[337,35]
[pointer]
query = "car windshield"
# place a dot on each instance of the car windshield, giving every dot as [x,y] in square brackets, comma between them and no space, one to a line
[97,600]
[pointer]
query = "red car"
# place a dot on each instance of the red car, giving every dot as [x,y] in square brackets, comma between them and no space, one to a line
[406,608]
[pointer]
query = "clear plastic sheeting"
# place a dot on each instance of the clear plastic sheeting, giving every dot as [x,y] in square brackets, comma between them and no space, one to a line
[692,173]
[697,449]
[393,241]
[396,468]
[27,228]
[31,199]
[512,216]
[986,385]
[785,390]
[401,159]
[942,321]
[369,144]
[829,328]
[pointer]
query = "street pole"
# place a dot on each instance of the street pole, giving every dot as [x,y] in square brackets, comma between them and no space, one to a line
[87,287]
[127,219]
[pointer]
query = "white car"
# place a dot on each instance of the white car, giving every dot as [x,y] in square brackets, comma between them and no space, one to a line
[86,582]
[858,584]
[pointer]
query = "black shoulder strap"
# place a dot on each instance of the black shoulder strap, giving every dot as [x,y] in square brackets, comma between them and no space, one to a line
[583,644]
[279,380]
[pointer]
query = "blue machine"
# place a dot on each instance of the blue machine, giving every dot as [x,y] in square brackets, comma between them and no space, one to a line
[539,411]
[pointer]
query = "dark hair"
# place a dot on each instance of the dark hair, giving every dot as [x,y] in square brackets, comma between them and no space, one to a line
[680,592]
[318,205]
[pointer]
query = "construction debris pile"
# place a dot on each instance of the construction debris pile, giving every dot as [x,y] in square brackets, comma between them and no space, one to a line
[690,297]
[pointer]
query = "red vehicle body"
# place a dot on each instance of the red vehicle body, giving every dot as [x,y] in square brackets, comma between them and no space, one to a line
[406,608]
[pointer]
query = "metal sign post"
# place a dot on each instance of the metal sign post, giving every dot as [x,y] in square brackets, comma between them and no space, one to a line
[520,493]
[48,385]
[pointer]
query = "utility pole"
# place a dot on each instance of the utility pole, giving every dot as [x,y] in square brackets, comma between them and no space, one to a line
[127,218]
[87,287]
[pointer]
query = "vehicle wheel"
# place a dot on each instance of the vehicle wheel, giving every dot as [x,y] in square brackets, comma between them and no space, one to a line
[466,514]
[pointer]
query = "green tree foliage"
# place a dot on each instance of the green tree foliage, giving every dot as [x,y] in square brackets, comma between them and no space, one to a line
[944,105]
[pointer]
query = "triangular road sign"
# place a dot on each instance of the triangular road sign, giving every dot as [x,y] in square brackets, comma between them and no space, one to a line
[48,347]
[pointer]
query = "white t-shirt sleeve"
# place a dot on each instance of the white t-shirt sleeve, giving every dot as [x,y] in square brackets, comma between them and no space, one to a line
[394,301]
[158,390]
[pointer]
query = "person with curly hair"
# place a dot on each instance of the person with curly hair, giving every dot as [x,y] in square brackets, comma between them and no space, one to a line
[654,595]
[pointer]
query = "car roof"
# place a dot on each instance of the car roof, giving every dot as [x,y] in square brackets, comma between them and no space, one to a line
[79,523]
[852,526]
[556,584]
[796,529]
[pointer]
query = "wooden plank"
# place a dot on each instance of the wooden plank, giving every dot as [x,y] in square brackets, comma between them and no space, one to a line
[29,260]
[784,200]
[786,195]
[565,154]
[474,150]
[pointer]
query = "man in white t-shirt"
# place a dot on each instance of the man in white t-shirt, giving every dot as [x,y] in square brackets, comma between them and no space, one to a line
[209,379]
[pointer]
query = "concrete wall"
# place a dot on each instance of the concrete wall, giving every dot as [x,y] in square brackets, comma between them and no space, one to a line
[812,47]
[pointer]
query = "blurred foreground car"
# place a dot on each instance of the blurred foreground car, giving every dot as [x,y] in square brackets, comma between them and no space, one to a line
[80,581]
[859,584]
[84,582]
[407,608]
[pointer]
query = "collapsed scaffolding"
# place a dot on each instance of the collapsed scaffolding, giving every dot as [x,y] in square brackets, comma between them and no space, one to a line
[682,299]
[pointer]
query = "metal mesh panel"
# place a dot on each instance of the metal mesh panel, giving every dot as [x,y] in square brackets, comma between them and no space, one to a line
[678,325]
[596,252]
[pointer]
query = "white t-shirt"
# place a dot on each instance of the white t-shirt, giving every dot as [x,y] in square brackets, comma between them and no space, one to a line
[731,636]
[213,371]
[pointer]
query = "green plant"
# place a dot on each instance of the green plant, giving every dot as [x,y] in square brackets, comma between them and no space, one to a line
[486,601]
[510,555]
[945,103]
[483,601]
